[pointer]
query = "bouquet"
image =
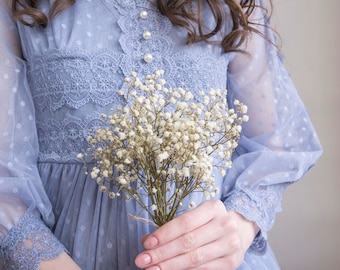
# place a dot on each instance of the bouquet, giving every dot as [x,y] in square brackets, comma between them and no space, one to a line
[163,145]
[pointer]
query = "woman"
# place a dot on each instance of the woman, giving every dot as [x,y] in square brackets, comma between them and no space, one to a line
[60,71]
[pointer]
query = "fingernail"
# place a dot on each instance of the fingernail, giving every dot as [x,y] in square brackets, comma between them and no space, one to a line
[154,268]
[145,259]
[150,242]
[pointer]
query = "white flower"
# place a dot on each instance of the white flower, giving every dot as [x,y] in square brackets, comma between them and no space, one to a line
[94,173]
[160,72]
[207,195]
[182,105]
[197,145]
[127,161]
[244,109]
[106,173]
[192,204]
[209,149]
[162,156]
[171,171]
[140,99]
[186,172]
[119,154]
[106,162]
[181,91]
[172,100]
[188,96]
[122,181]
[228,164]
[245,118]
[161,101]
[121,136]
[99,180]
[194,137]
[167,134]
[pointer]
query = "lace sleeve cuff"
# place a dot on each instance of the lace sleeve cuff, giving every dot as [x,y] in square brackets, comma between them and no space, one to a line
[27,244]
[259,245]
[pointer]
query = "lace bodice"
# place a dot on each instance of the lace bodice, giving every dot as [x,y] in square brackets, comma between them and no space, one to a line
[66,84]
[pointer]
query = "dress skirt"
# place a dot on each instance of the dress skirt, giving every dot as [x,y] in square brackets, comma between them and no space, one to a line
[97,231]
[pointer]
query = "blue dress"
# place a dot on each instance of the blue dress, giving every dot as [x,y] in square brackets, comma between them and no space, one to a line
[56,81]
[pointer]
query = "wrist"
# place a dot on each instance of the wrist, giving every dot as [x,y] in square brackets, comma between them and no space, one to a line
[247,230]
[61,262]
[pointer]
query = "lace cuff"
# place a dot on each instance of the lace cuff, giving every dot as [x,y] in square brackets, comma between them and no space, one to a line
[259,245]
[27,244]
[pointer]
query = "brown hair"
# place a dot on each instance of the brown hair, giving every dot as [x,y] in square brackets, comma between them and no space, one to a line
[179,12]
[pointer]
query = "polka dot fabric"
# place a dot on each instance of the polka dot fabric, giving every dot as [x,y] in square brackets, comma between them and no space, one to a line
[56,81]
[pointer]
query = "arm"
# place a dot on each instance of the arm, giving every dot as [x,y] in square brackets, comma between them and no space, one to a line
[278,144]
[25,240]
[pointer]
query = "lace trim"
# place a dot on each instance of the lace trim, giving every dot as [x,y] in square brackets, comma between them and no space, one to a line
[125,6]
[61,141]
[28,244]
[259,246]
[73,78]
[258,206]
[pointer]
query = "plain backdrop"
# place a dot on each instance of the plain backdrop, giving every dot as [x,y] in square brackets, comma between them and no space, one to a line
[306,232]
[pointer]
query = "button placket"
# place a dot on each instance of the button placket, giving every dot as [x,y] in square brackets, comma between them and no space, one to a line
[146,36]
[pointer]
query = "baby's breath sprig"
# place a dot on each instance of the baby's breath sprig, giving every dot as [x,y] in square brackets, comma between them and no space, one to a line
[163,145]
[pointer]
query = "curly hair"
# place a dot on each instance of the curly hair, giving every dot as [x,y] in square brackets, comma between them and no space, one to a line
[179,12]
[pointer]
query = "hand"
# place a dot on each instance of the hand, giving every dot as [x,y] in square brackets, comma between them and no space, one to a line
[207,237]
[62,262]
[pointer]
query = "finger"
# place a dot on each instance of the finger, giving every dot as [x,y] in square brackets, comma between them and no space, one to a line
[144,238]
[210,255]
[228,263]
[221,229]
[187,222]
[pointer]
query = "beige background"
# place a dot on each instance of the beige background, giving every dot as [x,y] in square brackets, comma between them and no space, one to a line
[306,234]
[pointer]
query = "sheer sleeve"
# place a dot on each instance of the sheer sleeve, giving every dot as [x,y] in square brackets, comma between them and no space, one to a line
[278,145]
[24,238]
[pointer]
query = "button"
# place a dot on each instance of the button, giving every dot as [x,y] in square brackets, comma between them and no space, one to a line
[148,57]
[146,35]
[143,14]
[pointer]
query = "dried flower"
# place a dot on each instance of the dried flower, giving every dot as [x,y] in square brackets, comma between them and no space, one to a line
[167,141]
